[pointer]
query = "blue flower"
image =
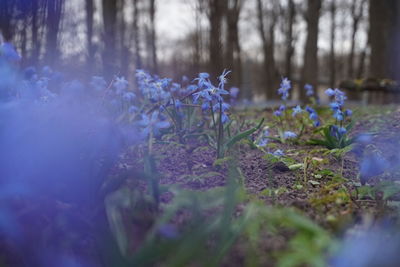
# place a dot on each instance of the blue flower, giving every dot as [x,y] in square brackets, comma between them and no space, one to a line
[225,106]
[284,88]
[120,84]
[234,91]
[310,110]
[132,109]
[168,231]
[129,96]
[297,110]
[364,138]
[317,123]
[282,108]
[334,106]
[277,113]
[330,92]
[289,135]
[205,94]
[8,52]
[313,116]
[278,153]
[224,118]
[152,123]
[178,104]
[373,165]
[263,142]
[338,115]
[98,83]
[340,97]
[205,106]
[348,112]
[342,130]
[309,89]
[222,78]
[203,79]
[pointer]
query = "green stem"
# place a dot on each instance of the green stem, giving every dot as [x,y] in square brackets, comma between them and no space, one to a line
[220,132]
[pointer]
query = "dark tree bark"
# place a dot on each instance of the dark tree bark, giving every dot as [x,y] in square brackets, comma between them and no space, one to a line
[290,39]
[332,58]
[310,65]
[5,19]
[215,16]
[89,33]
[384,38]
[35,32]
[136,35]
[379,23]
[357,8]
[53,22]
[268,46]
[109,37]
[153,39]
[233,49]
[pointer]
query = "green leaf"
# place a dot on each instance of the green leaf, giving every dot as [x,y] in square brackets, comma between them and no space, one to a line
[242,135]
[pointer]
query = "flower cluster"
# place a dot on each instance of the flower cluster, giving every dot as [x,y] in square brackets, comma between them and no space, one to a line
[336,105]
[284,89]
[313,116]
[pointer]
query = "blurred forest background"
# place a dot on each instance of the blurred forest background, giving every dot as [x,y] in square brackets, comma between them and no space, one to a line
[320,42]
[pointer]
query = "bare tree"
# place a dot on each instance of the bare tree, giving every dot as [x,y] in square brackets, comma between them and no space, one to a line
[53,23]
[216,12]
[109,36]
[153,41]
[357,13]
[310,65]
[382,31]
[6,8]
[136,34]
[332,58]
[268,45]
[290,38]
[89,5]
[233,50]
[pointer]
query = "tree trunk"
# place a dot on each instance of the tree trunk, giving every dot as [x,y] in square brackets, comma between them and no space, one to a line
[290,39]
[35,33]
[5,19]
[332,67]
[136,35]
[54,12]
[379,19]
[268,50]
[89,33]
[216,13]
[109,37]
[356,15]
[233,50]
[153,40]
[310,65]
